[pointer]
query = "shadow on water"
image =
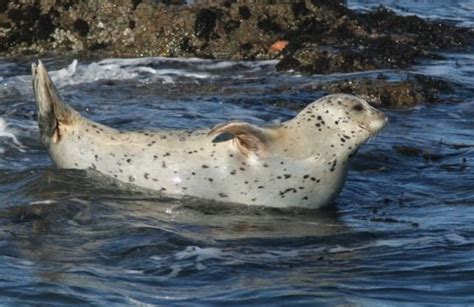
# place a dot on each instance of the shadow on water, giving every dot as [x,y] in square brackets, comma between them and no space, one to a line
[79,229]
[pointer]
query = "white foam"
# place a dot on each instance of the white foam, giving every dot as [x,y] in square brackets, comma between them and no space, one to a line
[201,254]
[44,202]
[131,69]
[6,132]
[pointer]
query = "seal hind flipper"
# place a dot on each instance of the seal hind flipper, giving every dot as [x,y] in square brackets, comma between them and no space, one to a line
[249,138]
[52,111]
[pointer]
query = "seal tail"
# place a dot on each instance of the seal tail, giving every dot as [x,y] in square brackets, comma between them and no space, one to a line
[52,111]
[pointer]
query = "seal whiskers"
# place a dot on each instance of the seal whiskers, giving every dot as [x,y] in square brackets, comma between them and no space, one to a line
[302,162]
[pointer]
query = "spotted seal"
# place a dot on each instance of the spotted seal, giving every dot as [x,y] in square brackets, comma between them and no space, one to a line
[302,162]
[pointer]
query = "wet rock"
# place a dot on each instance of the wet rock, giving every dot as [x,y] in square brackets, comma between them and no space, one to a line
[414,151]
[135,3]
[204,23]
[244,12]
[3,5]
[323,36]
[81,26]
[415,89]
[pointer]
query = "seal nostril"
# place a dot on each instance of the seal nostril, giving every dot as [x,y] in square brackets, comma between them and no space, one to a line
[358,107]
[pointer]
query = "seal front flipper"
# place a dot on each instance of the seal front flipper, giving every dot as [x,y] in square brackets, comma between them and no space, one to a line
[248,138]
[53,113]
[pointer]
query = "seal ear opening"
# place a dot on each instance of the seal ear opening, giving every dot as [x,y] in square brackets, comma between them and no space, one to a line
[250,139]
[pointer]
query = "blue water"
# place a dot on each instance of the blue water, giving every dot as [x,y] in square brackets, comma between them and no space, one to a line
[400,232]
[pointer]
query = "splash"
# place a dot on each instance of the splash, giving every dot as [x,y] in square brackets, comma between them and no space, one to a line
[6,132]
[144,70]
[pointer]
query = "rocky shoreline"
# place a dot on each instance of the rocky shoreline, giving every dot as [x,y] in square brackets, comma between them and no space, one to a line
[308,37]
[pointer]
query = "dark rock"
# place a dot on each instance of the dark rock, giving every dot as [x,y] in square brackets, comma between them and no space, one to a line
[3,5]
[44,27]
[244,12]
[97,46]
[231,26]
[268,25]
[413,151]
[81,26]
[299,9]
[204,23]
[333,4]
[323,36]
[383,93]
[186,45]
[135,3]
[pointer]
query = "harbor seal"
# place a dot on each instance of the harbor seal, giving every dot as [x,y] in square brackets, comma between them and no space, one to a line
[302,162]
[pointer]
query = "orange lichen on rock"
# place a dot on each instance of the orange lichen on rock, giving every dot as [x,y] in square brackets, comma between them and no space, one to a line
[279,46]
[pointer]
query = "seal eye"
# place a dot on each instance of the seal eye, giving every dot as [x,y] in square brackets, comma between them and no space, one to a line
[358,107]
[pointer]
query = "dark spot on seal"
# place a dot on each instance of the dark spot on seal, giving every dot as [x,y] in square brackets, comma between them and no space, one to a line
[233,172]
[288,190]
[129,160]
[358,107]
[193,173]
[146,175]
[210,179]
[131,178]
[287,176]
[205,166]
[223,195]
[261,187]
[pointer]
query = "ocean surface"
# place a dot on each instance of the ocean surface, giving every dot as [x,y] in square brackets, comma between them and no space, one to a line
[401,232]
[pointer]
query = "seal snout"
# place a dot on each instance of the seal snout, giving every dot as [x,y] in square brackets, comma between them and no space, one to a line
[376,121]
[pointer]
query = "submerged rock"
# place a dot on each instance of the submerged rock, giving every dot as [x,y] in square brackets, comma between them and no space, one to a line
[405,93]
[381,92]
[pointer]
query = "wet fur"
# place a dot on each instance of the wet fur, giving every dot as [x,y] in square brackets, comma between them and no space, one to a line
[302,162]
